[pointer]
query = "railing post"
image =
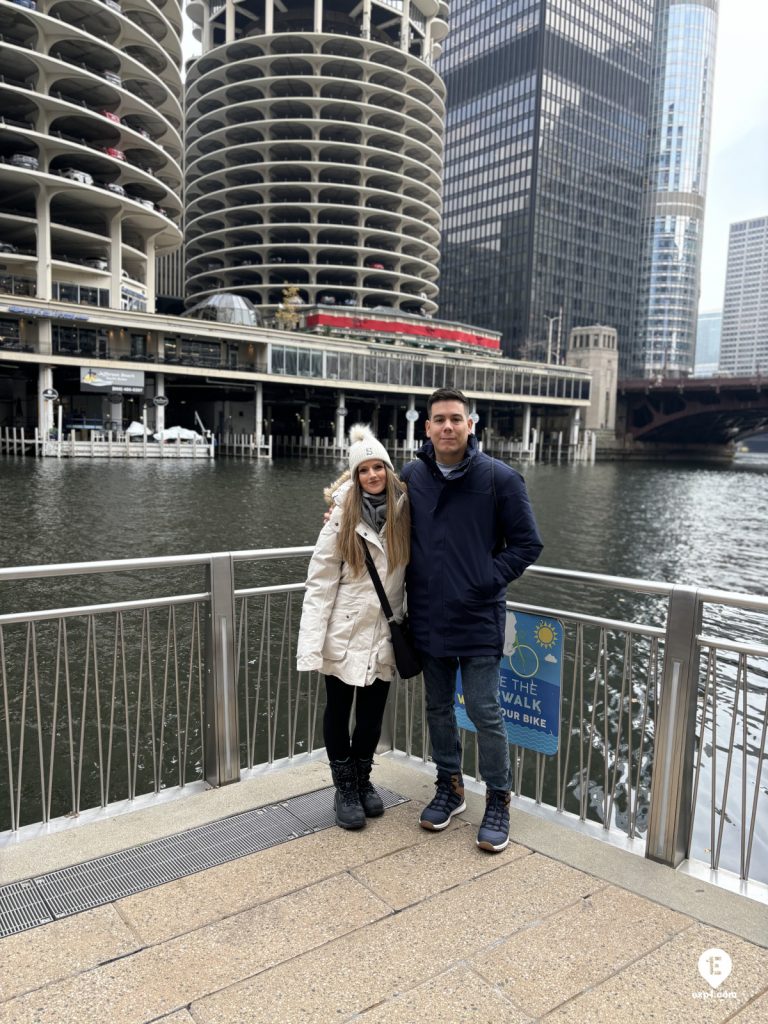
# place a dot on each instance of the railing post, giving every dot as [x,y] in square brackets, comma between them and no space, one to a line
[222,746]
[672,783]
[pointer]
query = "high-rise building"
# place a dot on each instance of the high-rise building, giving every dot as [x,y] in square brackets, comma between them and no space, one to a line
[546,130]
[90,150]
[744,337]
[678,154]
[314,152]
[708,344]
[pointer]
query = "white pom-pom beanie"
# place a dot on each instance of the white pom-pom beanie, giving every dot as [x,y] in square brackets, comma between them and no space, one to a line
[364,445]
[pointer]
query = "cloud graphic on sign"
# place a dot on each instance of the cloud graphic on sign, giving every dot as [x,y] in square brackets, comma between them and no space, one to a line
[551,659]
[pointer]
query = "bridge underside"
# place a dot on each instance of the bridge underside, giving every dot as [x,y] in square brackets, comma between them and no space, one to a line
[701,413]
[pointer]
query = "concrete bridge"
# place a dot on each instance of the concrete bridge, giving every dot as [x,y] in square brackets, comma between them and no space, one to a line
[693,411]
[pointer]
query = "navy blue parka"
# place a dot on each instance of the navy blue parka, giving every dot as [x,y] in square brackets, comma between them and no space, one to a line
[457,578]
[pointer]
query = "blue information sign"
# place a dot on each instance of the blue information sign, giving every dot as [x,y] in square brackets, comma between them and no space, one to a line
[531,681]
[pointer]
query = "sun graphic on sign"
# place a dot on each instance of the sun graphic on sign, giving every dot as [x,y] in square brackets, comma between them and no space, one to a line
[545,635]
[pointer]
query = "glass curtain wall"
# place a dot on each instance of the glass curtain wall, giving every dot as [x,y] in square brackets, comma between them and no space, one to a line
[546,126]
[684,55]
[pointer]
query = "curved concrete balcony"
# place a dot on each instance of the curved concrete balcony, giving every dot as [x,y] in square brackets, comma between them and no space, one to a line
[292,139]
[90,143]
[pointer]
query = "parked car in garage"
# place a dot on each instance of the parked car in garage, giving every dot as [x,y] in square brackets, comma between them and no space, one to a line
[97,263]
[8,247]
[26,160]
[75,174]
[118,154]
[112,186]
[110,116]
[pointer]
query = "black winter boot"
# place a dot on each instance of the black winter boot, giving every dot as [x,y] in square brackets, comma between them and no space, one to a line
[372,803]
[349,810]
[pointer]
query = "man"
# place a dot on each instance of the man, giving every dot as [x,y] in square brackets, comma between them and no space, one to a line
[473,532]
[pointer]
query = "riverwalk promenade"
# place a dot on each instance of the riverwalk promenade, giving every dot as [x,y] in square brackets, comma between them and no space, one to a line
[389,924]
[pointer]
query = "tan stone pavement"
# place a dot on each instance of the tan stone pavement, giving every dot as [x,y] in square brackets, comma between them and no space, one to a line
[389,925]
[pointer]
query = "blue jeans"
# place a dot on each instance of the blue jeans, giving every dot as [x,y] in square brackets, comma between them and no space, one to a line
[480,682]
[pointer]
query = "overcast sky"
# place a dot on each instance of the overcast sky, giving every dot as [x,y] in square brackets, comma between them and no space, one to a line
[738,166]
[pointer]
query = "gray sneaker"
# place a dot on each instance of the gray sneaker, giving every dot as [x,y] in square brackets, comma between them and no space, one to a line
[493,834]
[447,801]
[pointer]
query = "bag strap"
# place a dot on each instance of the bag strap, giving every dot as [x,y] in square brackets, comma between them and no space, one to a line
[386,607]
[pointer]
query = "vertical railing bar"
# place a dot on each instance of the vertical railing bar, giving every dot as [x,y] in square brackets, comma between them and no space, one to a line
[190,690]
[118,617]
[23,726]
[177,686]
[97,699]
[70,731]
[156,767]
[297,696]
[728,764]
[709,676]
[291,696]
[200,687]
[8,740]
[126,711]
[713,769]
[424,725]
[163,706]
[54,725]
[606,819]
[744,752]
[39,719]
[281,663]
[139,691]
[611,795]
[258,688]
[311,744]
[242,630]
[650,677]
[760,761]
[630,663]
[562,763]
[268,631]
[582,732]
[585,789]
[86,670]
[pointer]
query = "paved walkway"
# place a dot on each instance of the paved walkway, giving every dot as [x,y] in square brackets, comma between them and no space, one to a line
[387,925]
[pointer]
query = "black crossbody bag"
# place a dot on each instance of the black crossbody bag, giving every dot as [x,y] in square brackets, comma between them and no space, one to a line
[407,657]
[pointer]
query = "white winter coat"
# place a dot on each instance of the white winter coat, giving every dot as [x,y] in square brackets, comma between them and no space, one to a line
[343,630]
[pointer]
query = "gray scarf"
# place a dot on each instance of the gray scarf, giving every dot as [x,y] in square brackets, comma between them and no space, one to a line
[375,510]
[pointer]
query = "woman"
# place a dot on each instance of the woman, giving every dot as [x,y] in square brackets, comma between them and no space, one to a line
[343,631]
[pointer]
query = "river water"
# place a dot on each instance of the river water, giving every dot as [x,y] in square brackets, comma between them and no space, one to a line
[684,523]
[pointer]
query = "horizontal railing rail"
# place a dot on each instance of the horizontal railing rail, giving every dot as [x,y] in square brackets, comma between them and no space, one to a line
[664,714]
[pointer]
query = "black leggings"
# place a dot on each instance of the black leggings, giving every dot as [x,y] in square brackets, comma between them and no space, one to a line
[369,713]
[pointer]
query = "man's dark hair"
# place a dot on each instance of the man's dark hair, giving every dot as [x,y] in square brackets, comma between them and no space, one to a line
[447,395]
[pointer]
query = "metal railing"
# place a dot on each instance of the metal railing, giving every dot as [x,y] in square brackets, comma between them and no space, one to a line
[664,714]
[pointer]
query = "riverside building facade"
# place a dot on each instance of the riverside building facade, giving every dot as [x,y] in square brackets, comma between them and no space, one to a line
[744,332]
[314,152]
[546,127]
[664,342]
[90,149]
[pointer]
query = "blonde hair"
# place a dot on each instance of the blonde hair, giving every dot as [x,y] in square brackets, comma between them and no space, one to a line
[397,533]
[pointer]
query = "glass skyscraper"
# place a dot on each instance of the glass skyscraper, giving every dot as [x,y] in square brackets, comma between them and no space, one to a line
[546,131]
[678,152]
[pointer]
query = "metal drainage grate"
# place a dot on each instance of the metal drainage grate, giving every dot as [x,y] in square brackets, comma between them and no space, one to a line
[40,900]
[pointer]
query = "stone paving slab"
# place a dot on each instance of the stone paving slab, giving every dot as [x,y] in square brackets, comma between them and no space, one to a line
[61,949]
[666,985]
[458,995]
[168,977]
[555,959]
[407,876]
[392,924]
[191,902]
[355,973]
